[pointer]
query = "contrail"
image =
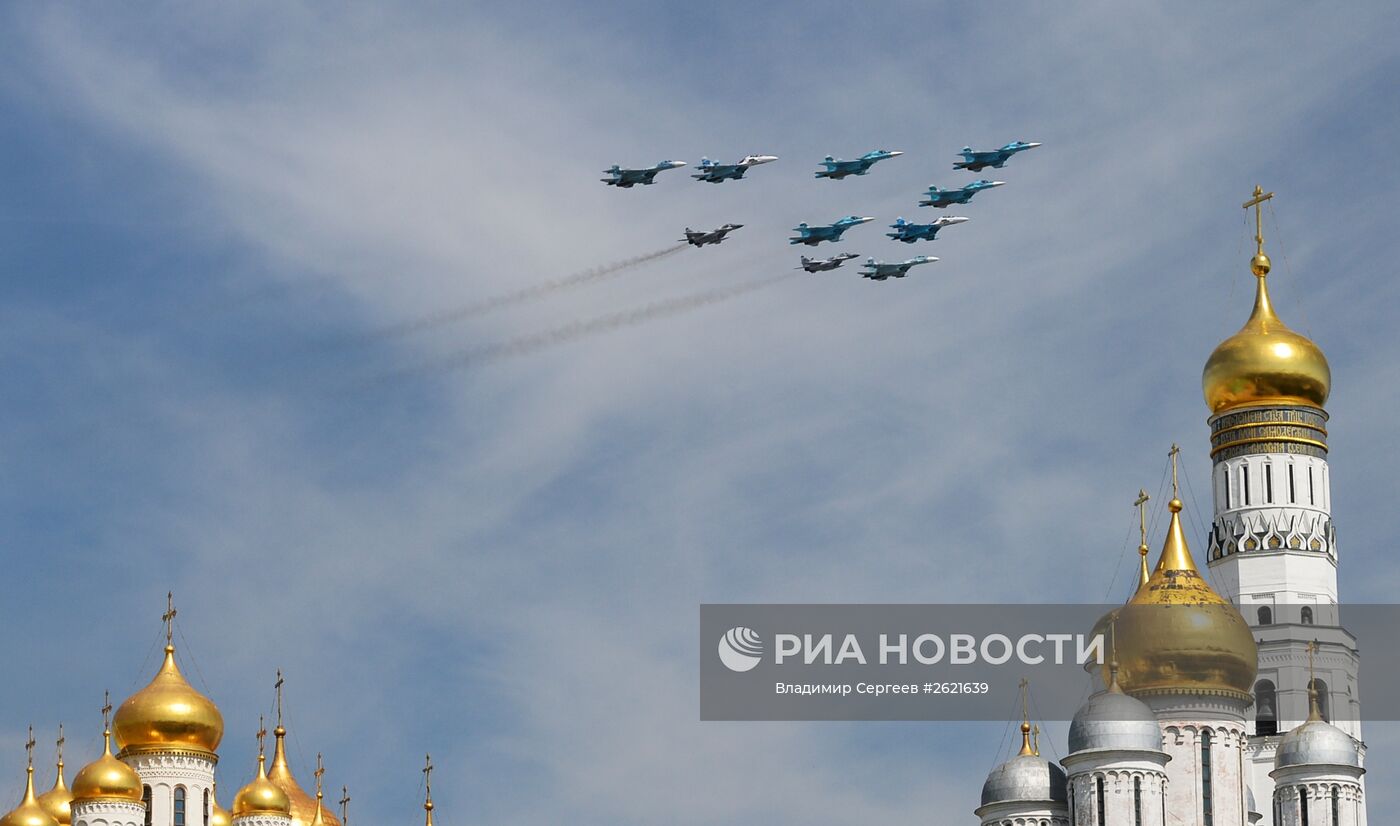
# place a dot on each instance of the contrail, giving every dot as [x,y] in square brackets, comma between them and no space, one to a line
[513,297]
[525,345]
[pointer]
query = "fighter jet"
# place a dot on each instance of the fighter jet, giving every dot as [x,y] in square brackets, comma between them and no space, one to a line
[714,236]
[812,236]
[996,158]
[714,173]
[831,263]
[944,198]
[838,169]
[879,271]
[627,178]
[909,233]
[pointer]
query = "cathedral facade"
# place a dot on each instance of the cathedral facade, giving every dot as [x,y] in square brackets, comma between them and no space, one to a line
[1237,704]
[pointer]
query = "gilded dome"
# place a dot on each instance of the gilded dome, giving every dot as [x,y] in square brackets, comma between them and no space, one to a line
[28,812]
[107,778]
[1177,634]
[304,806]
[1265,362]
[58,800]
[168,715]
[262,796]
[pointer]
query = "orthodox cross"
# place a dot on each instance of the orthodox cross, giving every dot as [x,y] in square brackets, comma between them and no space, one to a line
[428,776]
[1259,198]
[1173,454]
[59,743]
[278,687]
[262,735]
[344,805]
[1025,687]
[169,616]
[106,707]
[320,770]
[29,747]
[1141,501]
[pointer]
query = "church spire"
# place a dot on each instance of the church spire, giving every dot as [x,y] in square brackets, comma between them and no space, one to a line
[428,790]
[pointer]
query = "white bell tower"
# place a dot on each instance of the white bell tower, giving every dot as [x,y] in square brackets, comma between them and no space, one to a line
[1273,547]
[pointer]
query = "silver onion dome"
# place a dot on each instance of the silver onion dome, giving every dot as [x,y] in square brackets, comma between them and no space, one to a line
[1317,743]
[1113,720]
[1026,777]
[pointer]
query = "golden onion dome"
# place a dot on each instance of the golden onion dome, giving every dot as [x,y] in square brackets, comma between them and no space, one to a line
[304,806]
[1177,635]
[218,815]
[262,796]
[168,715]
[107,778]
[28,812]
[1265,362]
[58,801]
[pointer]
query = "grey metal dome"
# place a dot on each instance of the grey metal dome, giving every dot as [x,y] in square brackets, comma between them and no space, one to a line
[1317,743]
[1113,720]
[1025,777]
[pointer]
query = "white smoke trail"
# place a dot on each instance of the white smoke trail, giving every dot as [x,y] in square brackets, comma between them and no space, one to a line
[534,291]
[535,342]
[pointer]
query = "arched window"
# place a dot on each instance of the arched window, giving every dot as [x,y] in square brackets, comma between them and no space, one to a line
[1303,806]
[205,821]
[1207,806]
[1244,483]
[1137,801]
[179,806]
[1265,708]
[1336,806]
[1312,492]
[1266,615]
[1269,483]
[146,801]
[1321,688]
[1292,487]
[1307,615]
[1100,816]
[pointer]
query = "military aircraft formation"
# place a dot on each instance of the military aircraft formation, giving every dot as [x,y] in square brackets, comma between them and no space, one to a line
[833,168]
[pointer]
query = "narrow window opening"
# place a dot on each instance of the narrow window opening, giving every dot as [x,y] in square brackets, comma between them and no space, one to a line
[1207,807]
[1227,490]
[1292,488]
[1266,615]
[179,806]
[146,801]
[205,822]
[1244,482]
[1269,484]
[1137,801]
[1312,492]
[1099,782]
[1303,806]
[1307,615]
[1265,708]
[1336,807]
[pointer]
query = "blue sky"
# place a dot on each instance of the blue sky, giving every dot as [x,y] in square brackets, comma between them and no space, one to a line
[205,205]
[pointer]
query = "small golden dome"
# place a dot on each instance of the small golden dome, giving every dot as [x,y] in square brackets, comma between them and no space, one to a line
[304,806]
[218,815]
[28,812]
[1177,634]
[262,796]
[1265,362]
[168,715]
[58,801]
[107,778]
